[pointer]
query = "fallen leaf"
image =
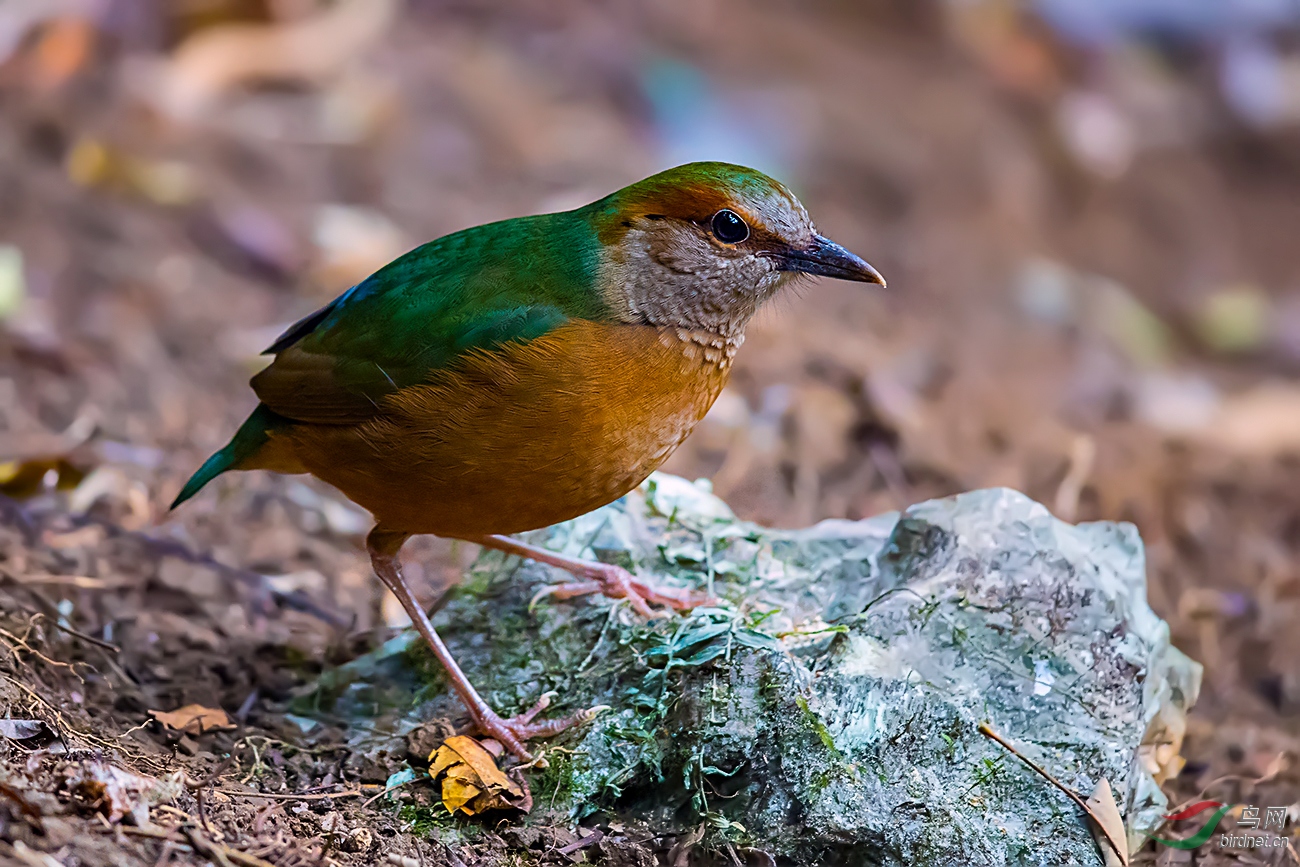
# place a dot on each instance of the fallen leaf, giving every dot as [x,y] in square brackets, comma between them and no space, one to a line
[23,479]
[119,793]
[1264,420]
[309,50]
[63,49]
[194,719]
[31,812]
[1235,319]
[94,163]
[471,781]
[34,858]
[13,282]
[1279,764]
[21,729]
[1111,831]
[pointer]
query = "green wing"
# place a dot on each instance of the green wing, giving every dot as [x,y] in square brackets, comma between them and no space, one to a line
[509,281]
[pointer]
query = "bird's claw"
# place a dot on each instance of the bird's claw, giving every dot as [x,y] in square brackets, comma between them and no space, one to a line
[513,732]
[618,583]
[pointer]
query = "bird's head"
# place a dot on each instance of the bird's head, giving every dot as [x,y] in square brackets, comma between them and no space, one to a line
[703,245]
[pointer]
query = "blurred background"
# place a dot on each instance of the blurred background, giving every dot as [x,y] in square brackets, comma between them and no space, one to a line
[1088,212]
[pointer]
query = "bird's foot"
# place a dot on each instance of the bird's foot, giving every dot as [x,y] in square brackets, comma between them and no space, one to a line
[595,577]
[513,732]
[618,583]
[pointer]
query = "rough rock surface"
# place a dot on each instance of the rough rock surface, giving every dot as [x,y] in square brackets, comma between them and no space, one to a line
[826,710]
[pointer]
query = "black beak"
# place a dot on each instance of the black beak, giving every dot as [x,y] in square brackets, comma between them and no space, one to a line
[828,259]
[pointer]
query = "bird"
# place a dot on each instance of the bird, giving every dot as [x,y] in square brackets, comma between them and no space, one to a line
[518,374]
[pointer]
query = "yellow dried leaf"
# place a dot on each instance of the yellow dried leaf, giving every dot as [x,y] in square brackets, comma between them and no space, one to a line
[471,781]
[459,787]
[27,478]
[484,765]
[441,759]
[194,719]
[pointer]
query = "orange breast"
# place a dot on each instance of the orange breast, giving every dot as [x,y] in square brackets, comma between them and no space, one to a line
[524,436]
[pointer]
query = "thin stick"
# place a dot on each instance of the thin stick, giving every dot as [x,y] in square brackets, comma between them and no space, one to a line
[986,730]
[51,614]
[165,856]
[590,840]
[324,796]
[206,847]
[371,800]
[89,639]
[233,855]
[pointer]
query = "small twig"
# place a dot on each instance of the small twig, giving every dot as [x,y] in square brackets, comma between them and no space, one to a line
[89,639]
[262,815]
[165,856]
[885,459]
[1083,453]
[246,706]
[198,787]
[591,839]
[58,717]
[13,514]
[51,613]
[204,847]
[388,789]
[323,796]
[988,732]
[207,847]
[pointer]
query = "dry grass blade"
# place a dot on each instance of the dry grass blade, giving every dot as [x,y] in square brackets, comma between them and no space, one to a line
[1118,847]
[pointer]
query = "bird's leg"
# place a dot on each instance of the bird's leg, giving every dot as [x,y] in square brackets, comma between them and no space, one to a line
[383,546]
[607,578]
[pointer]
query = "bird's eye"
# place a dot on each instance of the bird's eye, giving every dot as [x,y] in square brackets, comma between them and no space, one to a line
[729,228]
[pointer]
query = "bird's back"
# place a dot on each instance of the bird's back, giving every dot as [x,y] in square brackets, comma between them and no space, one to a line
[473,290]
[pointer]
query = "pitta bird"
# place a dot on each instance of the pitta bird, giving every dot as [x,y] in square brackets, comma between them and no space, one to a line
[518,374]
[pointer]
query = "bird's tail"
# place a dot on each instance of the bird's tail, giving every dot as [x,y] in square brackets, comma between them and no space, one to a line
[239,453]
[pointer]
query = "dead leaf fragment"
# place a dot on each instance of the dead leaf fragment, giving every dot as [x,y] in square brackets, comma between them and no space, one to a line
[119,793]
[1264,420]
[471,781]
[64,48]
[23,479]
[21,729]
[194,719]
[34,858]
[1110,836]
[309,50]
